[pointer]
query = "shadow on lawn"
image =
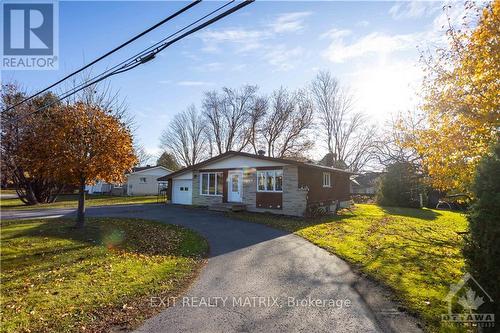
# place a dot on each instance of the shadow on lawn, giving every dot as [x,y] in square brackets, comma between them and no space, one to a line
[127,235]
[9,203]
[288,223]
[425,214]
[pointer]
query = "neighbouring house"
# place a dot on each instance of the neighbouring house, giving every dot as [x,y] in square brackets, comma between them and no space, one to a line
[260,183]
[144,180]
[99,187]
[365,183]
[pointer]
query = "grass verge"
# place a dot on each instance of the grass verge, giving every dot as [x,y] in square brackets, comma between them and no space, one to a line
[71,201]
[416,252]
[97,279]
[5,191]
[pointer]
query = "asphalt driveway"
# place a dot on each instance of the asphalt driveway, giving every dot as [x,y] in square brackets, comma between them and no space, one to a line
[260,279]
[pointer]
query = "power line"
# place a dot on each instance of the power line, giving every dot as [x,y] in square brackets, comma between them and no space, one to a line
[145,51]
[177,13]
[145,56]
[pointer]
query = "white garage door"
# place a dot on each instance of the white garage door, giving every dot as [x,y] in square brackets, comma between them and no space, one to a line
[182,191]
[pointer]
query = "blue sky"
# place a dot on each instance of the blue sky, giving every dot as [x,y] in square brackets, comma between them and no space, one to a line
[371,47]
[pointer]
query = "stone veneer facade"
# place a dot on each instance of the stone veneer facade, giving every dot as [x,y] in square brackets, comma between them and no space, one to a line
[203,200]
[294,198]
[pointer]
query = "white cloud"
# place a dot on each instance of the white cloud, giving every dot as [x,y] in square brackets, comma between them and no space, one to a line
[363,23]
[335,34]
[210,67]
[244,39]
[259,41]
[232,35]
[386,88]
[456,14]
[374,43]
[289,22]
[155,152]
[413,9]
[282,57]
[194,83]
[239,67]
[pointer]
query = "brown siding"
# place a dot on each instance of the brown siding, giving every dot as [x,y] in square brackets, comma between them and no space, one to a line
[313,179]
[272,200]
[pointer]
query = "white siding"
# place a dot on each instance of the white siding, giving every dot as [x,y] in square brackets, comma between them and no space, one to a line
[236,162]
[98,187]
[187,175]
[150,187]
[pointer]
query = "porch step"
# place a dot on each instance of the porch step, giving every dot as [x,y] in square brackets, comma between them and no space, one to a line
[227,207]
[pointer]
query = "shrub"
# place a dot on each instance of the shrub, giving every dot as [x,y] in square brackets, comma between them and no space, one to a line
[362,198]
[483,245]
[400,186]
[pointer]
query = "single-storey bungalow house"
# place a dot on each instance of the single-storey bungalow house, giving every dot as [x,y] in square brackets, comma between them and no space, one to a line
[144,180]
[259,183]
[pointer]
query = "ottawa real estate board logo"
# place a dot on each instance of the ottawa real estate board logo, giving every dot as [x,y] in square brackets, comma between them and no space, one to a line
[29,35]
[468,304]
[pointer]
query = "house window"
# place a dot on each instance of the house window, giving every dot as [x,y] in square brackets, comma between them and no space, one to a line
[142,180]
[211,183]
[278,185]
[326,179]
[261,181]
[270,181]
[220,183]
[235,183]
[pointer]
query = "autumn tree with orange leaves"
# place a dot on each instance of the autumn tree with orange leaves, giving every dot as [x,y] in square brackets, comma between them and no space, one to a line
[31,188]
[82,143]
[461,101]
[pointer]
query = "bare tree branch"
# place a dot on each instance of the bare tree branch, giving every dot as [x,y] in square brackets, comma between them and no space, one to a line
[346,135]
[285,127]
[185,137]
[231,117]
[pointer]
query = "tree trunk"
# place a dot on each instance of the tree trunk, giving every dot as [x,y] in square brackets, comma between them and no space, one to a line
[80,217]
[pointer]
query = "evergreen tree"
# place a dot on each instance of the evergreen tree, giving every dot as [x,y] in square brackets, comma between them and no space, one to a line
[483,246]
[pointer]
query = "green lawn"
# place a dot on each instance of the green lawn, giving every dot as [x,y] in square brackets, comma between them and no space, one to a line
[100,278]
[416,252]
[71,201]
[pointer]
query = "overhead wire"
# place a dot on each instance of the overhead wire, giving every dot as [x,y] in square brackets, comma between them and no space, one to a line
[146,55]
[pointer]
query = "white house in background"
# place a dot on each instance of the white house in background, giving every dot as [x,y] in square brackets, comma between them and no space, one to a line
[99,187]
[144,180]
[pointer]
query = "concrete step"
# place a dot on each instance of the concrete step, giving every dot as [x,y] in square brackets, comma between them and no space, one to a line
[227,207]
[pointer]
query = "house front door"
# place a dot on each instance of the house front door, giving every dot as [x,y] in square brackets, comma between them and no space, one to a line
[235,186]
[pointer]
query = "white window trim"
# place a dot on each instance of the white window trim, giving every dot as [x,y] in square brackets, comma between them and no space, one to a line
[329,179]
[274,183]
[208,184]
